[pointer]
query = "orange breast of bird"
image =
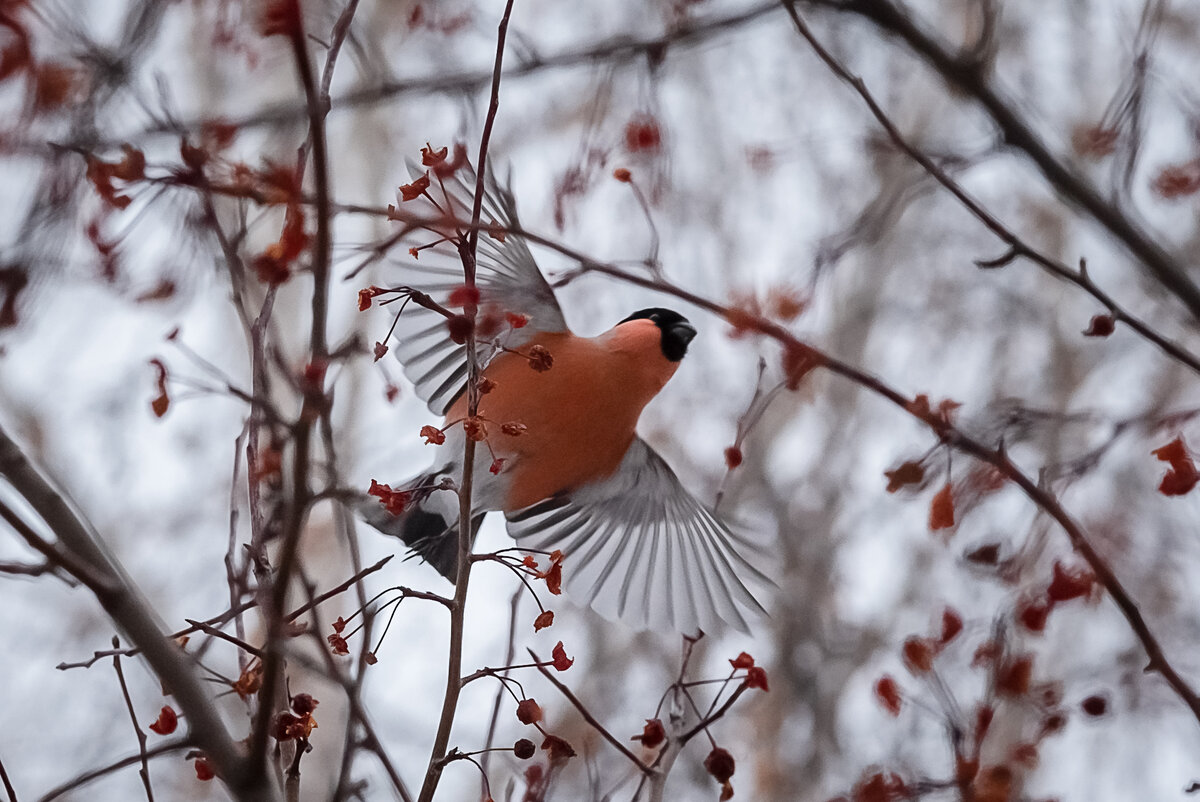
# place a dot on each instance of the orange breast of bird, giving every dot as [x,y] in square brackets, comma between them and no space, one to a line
[580,416]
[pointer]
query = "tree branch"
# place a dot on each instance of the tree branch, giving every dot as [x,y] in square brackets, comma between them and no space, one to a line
[970,77]
[133,615]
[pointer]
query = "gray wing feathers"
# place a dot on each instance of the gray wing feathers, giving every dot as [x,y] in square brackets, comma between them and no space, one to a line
[638,547]
[507,277]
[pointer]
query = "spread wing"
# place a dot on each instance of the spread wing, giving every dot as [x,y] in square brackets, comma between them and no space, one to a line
[640,548]
[506,275]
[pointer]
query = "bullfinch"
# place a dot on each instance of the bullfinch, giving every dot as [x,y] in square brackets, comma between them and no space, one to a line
[563,460]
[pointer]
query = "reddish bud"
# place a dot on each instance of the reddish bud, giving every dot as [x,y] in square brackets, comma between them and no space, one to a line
[365,296]
[433,435]
[558,750]
[475,429]
[798,361]
[249,681]
[653,734]
[540,359]
[166,722]
[485,385]
[1178,180]
[496,466]
[1182,476]
[396,501]
[380,351]
[622,175]
[719,764]
[733,457]
[515,320]
[463,296]
[642,134]
[553,577]
[544,619]
[909,473]
[784,303]
[888,694]
[756,677]
[1093,705]
[338,644]
[161,402]
[459,327]
[528,711]
[941,509]
[1033,614]
[204,769]
[1070,584]
[952,624]
[743,660]
[303,704]
[1101,326]
[524,749]
[918,655]
[561,661]
[431,157]
[1015,676]
[414,190]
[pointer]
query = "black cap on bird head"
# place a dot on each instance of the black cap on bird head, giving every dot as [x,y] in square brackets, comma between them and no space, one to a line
[677,333]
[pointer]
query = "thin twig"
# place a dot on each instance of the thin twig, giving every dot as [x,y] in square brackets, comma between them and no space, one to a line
[130,611]
[8,786]
[513,606]
[620,49]
[458,611]
[296,509]
[225,636]
[144,771]
[125,762]
[587,715]
[971,78]
[1017,247]
[342,588]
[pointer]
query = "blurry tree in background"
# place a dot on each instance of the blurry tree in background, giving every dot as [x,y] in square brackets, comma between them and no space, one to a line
[940,254]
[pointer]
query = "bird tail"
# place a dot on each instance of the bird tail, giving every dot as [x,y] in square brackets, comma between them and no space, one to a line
[428,526]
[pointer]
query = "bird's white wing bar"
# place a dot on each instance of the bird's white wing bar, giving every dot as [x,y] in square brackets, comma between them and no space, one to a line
[638,547]
[507,276]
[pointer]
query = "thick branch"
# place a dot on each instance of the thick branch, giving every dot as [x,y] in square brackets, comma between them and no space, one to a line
[134,616]
[970,77]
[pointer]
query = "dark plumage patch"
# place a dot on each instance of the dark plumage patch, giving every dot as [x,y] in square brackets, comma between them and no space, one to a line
[677,333]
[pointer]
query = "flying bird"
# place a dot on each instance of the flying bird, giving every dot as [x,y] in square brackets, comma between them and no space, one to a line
[568,470]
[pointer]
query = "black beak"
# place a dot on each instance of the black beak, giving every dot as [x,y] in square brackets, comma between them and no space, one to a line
[683,332]
[675,339]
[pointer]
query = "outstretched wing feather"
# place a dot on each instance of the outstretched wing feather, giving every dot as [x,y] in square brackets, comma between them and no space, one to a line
[508,279]
[640,548]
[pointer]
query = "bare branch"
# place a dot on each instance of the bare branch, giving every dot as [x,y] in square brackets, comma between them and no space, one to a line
[144,771]
[129,610]
[970,77]
[587,715]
